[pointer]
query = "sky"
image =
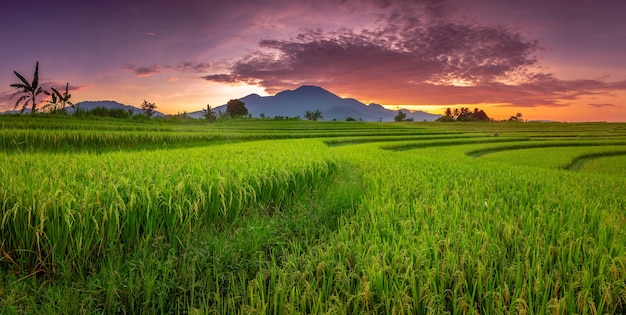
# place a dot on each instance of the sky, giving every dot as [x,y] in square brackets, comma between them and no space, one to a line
[557,60]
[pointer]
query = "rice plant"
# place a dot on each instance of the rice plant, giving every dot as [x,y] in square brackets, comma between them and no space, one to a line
[423,218]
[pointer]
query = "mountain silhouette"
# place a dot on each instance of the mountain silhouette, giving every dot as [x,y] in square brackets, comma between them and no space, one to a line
[292,103]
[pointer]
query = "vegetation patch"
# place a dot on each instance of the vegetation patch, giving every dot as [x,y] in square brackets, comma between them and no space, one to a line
[429,136]
[577,163]
[546,144]
[443,143]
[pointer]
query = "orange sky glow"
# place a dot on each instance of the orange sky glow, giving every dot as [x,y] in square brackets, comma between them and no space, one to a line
[549,60]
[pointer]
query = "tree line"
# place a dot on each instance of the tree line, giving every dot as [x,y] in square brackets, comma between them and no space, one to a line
[464,114]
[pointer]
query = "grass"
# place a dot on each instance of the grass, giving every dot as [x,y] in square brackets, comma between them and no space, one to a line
[359,218]
[606,165]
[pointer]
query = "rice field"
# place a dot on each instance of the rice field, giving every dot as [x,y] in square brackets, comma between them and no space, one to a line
[299,217]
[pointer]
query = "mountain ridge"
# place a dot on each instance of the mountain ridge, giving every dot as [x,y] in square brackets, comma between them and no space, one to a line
[292,103]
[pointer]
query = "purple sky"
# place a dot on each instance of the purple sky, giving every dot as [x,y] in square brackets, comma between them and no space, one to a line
[551,59]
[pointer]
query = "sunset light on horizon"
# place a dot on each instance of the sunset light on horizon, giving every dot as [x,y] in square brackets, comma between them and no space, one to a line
[549,60]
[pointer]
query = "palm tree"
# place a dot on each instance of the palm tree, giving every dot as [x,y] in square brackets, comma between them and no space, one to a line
[58,99]
[448,112]
[456,112]
[30,90]
[208,113]
[317,115]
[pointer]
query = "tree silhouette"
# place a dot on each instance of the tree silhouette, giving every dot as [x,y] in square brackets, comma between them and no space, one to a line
[30,90]
[148,108]
[517,117]
[59,101]
[401,116]
[456,112]
[208,114]
[463,114]
[236,108]
[315,115]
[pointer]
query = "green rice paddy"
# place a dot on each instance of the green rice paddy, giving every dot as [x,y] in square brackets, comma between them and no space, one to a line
[299,217]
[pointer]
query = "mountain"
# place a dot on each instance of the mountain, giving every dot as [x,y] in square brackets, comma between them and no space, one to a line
[296,102]
[89,105]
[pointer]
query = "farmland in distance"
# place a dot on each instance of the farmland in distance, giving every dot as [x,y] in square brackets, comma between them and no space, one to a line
[301,217]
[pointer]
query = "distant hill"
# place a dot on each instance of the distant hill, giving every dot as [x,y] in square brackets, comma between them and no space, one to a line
[89,105]
[296,102]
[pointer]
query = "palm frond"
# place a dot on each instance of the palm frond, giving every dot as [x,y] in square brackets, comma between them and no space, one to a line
[19,100]
[26,83]
[20,86]
[36,78]
[45,107]
[16,93]
[55,92]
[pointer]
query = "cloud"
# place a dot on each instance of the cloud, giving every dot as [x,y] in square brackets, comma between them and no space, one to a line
[60,86]
[416,52]
[144,71]
[548,92]
[602,105]
[184,66]
[224,78]
[441,53]
[6,102]
[194,67]
[401,51]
